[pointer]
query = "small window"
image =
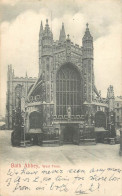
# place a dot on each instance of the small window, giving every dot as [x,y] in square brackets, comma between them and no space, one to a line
[47,67]
[47,59]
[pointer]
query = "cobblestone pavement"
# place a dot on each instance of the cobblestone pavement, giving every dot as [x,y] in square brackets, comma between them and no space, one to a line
[67,154]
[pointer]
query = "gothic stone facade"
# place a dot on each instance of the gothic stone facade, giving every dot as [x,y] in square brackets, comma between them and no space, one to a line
[17,87]
[64,93]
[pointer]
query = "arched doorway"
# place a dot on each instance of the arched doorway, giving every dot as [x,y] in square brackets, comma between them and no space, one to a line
[69,133]
[100,119]
[68,90]
[35,120]
[35,134]
[100,125]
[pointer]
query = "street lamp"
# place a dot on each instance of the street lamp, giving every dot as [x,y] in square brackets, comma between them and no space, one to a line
[23,128]
[22,107]
[88,112]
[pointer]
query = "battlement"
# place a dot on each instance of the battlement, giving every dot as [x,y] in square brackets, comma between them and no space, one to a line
[76,48]
[25,78]
[120,97]
[60,46]
[11,75]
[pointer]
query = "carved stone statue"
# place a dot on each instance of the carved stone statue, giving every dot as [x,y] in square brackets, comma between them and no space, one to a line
[69,112]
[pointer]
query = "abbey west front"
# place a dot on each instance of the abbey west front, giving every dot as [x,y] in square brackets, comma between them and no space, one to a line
[63,104]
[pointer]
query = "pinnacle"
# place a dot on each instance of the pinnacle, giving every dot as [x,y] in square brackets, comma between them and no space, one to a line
[68,36]
[41,28]
[62,25]
[62,36]
[46,21]
[87,34]
[41,23]
[26,74]
[87,24]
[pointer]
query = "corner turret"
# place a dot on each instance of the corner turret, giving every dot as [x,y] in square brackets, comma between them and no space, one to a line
[87,62]
[46,58]
[87,43]
[40,45]
[110,97]
[111,102]
[47,41]
[9,101]
[45,45]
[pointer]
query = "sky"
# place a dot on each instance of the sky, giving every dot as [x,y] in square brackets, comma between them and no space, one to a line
[19,33]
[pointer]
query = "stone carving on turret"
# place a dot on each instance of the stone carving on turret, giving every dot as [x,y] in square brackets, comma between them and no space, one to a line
[69,112]
[87,63]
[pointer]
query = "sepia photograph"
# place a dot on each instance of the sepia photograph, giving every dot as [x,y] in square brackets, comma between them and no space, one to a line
[61,97]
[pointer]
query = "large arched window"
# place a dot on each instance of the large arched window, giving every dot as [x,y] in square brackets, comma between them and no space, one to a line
[68,91]
[19,92]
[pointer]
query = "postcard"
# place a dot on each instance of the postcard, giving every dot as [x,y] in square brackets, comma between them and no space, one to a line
[60,98]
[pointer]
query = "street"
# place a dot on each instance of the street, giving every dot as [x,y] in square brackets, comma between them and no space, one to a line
[100,162]
[67,154]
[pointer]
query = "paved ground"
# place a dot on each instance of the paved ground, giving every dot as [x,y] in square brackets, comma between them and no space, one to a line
[67,154]
[99,157]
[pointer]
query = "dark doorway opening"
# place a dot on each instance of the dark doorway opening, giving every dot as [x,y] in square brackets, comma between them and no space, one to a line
[70,134]
[35,120]
[100,119]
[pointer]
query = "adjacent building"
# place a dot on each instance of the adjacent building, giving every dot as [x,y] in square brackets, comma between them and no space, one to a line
[17,87]
[118,111]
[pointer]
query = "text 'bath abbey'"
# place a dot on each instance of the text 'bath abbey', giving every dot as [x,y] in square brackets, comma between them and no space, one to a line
[63,104]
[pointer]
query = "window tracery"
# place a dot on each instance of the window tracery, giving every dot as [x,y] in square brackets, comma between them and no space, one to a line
[68,91]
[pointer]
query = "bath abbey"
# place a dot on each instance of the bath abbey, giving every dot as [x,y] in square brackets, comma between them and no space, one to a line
[62,105]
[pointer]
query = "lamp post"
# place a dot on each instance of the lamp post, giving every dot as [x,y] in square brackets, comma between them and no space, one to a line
[23,129]
[120,151]
[112,129]
[88,112]
[23,121]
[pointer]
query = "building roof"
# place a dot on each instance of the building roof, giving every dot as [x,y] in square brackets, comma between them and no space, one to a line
[2,123]
[118,99]
[100,129]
